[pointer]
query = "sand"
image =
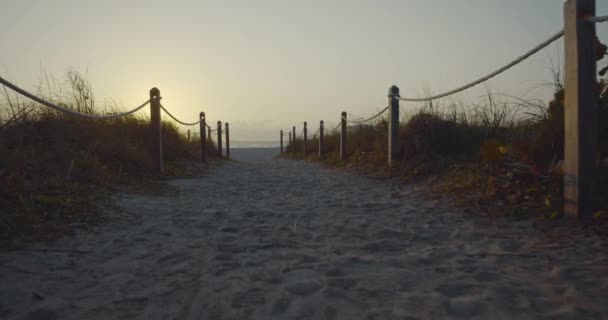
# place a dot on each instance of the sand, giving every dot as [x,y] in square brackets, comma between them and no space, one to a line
[260,238]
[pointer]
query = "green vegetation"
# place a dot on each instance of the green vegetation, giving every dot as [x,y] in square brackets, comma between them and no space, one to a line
[499,155]
[56,169]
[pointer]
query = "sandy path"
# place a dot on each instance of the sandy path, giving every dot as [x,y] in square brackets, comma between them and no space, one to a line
[275,239]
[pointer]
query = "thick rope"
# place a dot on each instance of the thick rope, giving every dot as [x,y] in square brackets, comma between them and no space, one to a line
[338,126]
[368,119]
[597,19]
[177,120]
[491,75]
[64,110]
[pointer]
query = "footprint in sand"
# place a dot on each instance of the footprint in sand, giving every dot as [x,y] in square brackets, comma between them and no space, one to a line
[452,290]
[342,283]
[302,282]
[229,229]
[132,305]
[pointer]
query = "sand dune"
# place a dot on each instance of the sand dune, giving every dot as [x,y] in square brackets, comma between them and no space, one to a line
[273,239]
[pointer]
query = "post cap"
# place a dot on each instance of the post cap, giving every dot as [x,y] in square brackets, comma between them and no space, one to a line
[321,123]
[393,91]
[343,114]
[154,92]
[219,122]
[305,124]
[201,115]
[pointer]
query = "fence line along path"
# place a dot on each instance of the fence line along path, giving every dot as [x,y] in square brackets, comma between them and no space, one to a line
[581,132]
[155,122]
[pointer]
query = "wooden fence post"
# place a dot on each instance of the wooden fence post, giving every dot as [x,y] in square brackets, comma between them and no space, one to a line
[305,137]
[343,136]
[580,107]
[155,123]
[188,135]
[281,141]
[227,128]
[393,124]
[321,138]
[219,138]
[290,142]
[293,135]
[203,124]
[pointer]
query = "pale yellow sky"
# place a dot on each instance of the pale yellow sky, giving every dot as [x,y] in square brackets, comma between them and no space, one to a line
[267,65]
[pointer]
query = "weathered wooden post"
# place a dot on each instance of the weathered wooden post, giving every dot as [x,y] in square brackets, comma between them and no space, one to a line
[188,135]
[290,142]
[219,138]
[393,124]
[155,123]
[321,138]
[227,128]
[293,135]
[305,137]
[343,136]
[203,124]
[580,107]
[281,141]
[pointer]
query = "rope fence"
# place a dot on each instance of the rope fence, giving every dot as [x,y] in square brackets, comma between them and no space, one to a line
[491,75]
[56,107]
[155,121]
[368,119]
[177,120]
[580,116]
[597,19]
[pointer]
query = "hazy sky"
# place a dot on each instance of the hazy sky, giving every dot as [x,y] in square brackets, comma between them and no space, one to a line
[266,65]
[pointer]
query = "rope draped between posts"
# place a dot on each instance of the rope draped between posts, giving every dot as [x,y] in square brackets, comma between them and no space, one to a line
[597,19]
[177,120]
[155,121]
[213,130]
[485,78]
[56,107]
[368,119]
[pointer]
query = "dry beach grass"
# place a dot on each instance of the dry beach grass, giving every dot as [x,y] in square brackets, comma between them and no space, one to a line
[55,168]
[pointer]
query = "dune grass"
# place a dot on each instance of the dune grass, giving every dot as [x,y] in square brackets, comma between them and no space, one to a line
[501,153]
[56,169]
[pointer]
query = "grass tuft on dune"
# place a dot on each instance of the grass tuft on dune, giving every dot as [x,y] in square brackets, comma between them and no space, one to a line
[56,168]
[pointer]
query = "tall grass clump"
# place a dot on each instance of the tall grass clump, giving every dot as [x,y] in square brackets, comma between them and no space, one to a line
[499,151]
[55,168]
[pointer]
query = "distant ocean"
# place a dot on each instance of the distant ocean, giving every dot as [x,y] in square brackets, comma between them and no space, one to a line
[254,144]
